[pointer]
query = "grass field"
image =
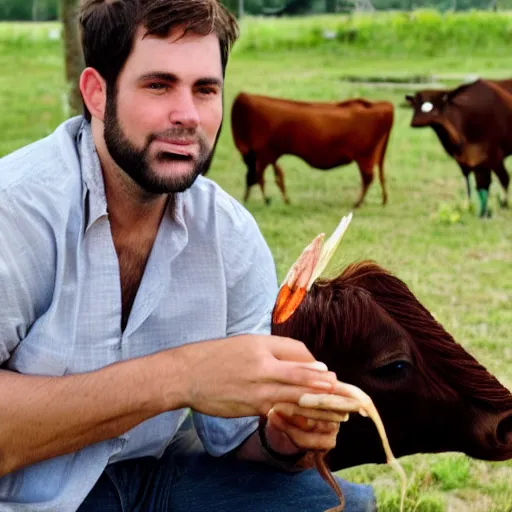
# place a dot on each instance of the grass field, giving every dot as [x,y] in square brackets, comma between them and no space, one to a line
[458,265]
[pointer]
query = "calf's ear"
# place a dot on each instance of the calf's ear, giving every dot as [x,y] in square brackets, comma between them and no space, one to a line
[409,99]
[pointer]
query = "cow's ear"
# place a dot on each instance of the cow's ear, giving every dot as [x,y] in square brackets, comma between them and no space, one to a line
[409,99]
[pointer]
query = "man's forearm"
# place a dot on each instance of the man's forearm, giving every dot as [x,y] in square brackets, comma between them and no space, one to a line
[43,417]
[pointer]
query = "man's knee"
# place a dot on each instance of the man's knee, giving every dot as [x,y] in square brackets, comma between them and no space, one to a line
[358,497]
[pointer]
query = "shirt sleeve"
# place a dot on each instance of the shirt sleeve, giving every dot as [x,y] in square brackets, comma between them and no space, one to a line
[252,287]
[25,265]
[252,283]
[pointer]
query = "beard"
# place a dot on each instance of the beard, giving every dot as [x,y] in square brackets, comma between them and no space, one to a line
[136,162]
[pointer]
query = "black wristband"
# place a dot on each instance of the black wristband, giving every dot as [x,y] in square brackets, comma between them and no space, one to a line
[290,459]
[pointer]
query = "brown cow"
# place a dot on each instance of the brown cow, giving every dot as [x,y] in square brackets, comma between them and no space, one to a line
[432,395]
[474,124]
[325,135]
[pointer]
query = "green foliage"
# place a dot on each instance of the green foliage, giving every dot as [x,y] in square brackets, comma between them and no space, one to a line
[455,213]
[452,473]
[41,10]
[22,39]
[425,32]
[24,10]
[257,7]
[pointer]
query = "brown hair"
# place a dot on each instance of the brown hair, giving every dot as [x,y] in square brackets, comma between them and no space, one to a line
[108,29]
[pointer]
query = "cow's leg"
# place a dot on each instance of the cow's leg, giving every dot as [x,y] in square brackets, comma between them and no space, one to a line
[261,183]
[366,170]
[466,172]
[504,178]
[279,174]
[247,191]
[251,176]
[483,182]
[381,152]
[255,172]
[383,183]
[468,186]
[260,178]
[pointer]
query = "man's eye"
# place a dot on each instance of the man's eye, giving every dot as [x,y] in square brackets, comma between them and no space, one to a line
[157,86]
[207,90]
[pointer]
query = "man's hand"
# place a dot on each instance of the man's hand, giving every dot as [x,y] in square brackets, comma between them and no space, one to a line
[246,375]
[292,429]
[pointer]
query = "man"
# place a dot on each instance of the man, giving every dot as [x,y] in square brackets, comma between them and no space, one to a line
[133,291]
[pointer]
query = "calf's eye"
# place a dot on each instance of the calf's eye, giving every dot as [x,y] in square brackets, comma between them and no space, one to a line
[393,370]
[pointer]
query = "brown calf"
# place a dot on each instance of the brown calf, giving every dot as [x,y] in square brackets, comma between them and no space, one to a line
[325,135]
[432,395]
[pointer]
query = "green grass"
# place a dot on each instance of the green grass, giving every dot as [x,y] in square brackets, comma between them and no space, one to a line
[425,32]
[459,266]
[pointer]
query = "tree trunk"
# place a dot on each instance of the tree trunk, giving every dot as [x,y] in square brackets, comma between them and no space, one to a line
[72,54]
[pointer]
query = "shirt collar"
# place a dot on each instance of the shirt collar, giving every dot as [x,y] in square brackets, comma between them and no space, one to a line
[95,201]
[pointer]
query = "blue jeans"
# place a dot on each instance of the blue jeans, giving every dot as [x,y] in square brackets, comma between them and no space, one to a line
[193,481]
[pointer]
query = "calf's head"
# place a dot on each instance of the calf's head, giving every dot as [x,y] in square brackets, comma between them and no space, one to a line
[432,395]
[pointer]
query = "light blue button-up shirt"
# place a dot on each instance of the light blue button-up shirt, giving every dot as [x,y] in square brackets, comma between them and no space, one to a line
[210,275]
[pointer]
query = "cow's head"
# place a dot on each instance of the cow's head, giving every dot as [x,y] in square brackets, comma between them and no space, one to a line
[432,395]
[428,107]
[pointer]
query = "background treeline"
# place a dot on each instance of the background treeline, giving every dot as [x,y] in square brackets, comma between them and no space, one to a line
[28,10]
[43,10]
[301,7]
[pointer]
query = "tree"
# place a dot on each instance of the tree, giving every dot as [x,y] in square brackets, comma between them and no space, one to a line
[28,10]
[73,53]
[232,5]
[291,8]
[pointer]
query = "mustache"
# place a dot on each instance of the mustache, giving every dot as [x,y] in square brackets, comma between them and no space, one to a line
[177,132]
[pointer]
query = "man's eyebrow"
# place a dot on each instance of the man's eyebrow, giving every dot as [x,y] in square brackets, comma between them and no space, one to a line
[159,75]
[172,78]
[209,80]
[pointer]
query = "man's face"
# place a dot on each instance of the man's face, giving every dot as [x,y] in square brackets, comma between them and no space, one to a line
[162,121]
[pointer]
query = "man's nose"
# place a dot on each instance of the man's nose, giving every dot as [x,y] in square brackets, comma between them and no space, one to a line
[184,110]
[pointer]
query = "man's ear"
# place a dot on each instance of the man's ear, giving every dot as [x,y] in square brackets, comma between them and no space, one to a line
[94,92]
